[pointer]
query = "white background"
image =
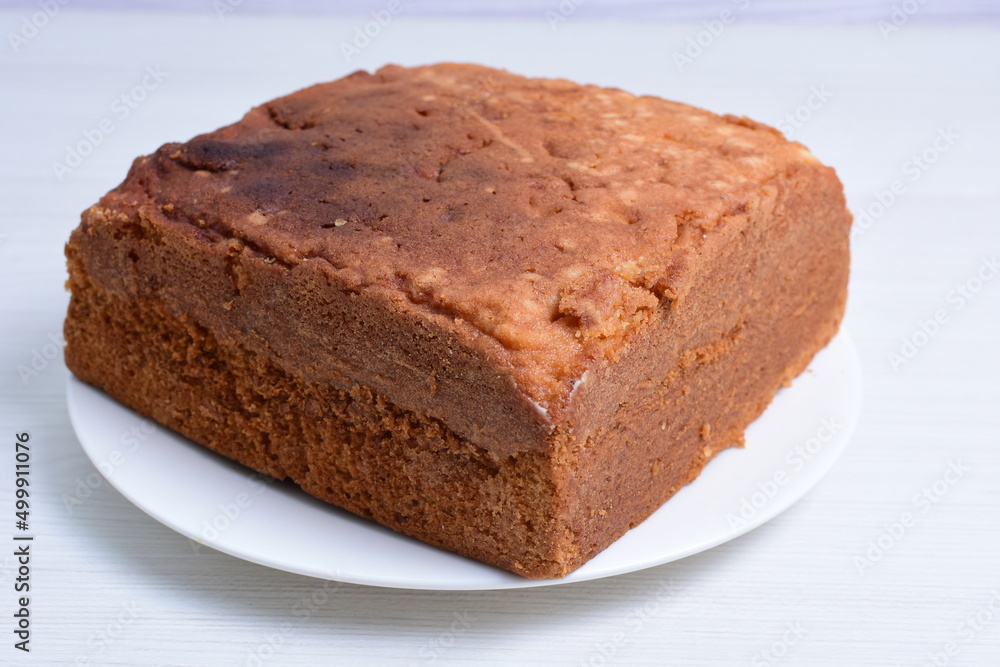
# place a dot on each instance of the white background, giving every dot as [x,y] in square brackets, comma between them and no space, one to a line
[110,586]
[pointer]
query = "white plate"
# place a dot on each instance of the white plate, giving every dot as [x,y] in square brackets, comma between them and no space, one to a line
[221,504]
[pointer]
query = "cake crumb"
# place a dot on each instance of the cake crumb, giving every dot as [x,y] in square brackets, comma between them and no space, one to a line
[706,431]
[257,218]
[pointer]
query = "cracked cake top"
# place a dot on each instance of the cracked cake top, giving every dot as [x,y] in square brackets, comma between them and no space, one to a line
[549,216]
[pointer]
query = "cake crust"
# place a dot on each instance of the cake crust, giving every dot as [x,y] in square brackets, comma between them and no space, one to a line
[552,302]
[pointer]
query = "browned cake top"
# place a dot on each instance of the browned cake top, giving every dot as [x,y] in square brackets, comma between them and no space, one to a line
[550,216]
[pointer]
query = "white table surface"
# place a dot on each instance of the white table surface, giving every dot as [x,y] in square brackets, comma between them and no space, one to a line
[110,586]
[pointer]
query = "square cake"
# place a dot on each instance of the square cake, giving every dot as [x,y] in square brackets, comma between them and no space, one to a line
[509,317]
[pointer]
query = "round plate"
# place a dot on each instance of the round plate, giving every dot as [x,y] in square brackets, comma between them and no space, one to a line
[221,504]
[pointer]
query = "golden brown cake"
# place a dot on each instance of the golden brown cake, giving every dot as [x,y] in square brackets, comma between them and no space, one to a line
[507,316]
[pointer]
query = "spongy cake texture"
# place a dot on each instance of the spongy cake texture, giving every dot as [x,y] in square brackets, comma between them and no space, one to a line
[507,316]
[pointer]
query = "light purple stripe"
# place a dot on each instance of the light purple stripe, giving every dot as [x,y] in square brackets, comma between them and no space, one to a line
[795,11]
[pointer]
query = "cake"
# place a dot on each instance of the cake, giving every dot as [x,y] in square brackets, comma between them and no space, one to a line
[507,316]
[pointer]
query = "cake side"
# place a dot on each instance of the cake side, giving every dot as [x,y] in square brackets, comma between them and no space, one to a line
[344,443]
[776,289]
